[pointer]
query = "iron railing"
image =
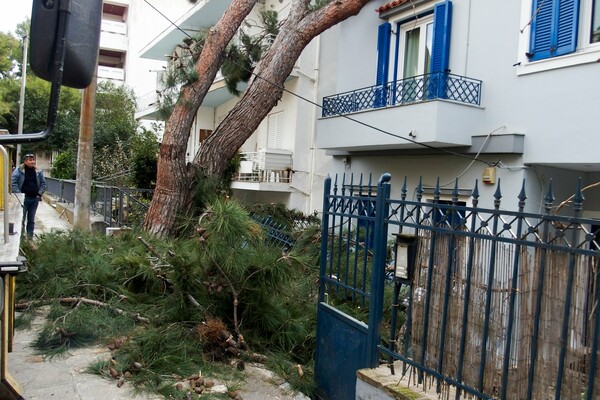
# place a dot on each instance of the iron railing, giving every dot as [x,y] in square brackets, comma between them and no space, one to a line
[121,206]
[118,206]
[266,165]
[500,304]
[276,234]
[438,86]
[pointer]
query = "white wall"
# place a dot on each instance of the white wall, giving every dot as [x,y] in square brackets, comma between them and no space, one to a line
[144,24]
[555,109]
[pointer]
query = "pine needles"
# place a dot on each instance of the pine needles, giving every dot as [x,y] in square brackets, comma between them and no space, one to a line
[153,298]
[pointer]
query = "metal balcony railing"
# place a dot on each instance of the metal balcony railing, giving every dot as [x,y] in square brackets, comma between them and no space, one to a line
[267,165]
[438,86]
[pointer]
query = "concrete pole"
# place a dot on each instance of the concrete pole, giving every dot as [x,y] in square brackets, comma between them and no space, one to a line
[22,97]
[85,157]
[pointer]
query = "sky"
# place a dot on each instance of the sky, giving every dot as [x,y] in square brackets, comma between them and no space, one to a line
[13,13]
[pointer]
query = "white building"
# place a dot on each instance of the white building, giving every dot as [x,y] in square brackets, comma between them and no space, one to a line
[422,88]
[513,83]
[126,27]
[281,163]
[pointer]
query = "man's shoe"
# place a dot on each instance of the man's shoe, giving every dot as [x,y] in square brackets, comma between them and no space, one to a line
[31,243]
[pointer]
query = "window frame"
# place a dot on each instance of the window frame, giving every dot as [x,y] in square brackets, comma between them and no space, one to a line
[585,51]
[400,47]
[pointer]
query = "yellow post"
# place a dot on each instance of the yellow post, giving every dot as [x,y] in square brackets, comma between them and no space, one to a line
[2,183]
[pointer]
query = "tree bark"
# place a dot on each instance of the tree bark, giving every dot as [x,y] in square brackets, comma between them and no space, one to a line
[174,179]
[173,176]
[266,88]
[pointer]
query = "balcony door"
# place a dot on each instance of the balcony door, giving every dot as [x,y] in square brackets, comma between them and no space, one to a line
[415,48]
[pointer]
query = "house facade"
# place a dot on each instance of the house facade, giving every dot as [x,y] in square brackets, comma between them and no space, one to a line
[494,91]
[279,162]
[126,27]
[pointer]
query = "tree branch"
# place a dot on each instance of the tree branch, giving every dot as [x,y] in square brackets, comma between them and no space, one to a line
[78,300]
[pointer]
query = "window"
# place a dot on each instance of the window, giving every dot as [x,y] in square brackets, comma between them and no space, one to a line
[416,42]
[561,33]
[274,130]
[595,31]
[203,134]
[553,28]
[421,47]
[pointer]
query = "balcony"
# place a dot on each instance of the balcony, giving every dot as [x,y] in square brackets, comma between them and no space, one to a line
[147,106]
[114,36]
[111,73]
[435,109]
[203,15]
[265,170]
[440,86]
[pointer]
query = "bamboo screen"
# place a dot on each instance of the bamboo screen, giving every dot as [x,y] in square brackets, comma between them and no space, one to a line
[555,277]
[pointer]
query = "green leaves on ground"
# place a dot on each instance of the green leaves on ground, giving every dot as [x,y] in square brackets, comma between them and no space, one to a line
[101,288]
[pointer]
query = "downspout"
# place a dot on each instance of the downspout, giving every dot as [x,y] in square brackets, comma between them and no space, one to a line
[313,131]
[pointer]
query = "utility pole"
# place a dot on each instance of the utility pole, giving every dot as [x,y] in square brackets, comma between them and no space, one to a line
[85,156]
[22,97]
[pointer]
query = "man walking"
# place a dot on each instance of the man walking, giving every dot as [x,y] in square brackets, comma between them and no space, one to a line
[27,179]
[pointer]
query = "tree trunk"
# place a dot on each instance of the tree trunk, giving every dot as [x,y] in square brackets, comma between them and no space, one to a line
[264,91]
[266,88]
[173,178]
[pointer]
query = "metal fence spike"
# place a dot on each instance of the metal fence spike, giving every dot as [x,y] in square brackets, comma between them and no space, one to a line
[437,191]
[455,192]
[404,189]
[549,199]
[578,198]
[420,188]
[475,192]
[522,196]
[497,195]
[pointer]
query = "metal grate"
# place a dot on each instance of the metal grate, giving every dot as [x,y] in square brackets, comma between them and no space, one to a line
[410,90]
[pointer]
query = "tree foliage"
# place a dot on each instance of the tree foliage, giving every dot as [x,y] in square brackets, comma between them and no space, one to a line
[64,165]
[115,110]
[177,287]
[144,159]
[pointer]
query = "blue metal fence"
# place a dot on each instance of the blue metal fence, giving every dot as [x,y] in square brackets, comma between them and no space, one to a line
[499,304]
[118,206]
[415,89]
[276,234]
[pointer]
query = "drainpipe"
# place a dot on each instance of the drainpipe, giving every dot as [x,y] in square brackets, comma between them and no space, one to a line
[313,130]
[468,38]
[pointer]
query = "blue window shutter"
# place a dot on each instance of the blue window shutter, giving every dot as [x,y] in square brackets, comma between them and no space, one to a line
[554,28]
[383,53]
[442,23]
[567,24]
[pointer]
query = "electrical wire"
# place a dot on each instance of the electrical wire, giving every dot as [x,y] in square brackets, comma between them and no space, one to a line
[372,127]
[489,135]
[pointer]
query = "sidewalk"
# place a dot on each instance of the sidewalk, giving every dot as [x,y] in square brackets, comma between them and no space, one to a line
[64,377]
[48,219]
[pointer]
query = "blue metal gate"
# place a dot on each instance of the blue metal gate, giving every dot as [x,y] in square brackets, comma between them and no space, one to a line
[495,304]
[353,254]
